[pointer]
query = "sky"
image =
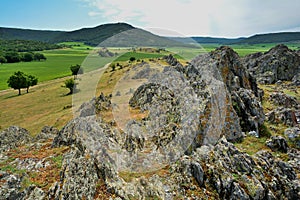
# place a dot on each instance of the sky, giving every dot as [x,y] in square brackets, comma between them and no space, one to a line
[217,18]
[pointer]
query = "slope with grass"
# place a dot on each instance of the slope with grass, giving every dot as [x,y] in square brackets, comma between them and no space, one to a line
[46,104]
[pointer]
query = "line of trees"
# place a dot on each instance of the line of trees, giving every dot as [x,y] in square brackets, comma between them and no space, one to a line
[26,45]
[14,57]
[21,80]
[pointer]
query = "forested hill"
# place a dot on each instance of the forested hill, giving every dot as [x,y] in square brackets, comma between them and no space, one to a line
[272,38]
[27,34]
[284,37]
[87,35]
[25,46]
[92,36]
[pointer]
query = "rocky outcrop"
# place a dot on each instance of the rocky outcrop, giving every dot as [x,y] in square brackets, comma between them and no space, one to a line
[231,94]
[104,52]
[78,178]
[286,116]
[95,105]
[287,101]
[13,137]
[293,135]
[236,175]
[47,133]
[243,93]
[277,143]
[11,188]
[179,149]
[296,79]
[279,63]
[171,60]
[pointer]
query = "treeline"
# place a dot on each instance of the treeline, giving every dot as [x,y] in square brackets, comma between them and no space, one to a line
[25,46]
[14,57]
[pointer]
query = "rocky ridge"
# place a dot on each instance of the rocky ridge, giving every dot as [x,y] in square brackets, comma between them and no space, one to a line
[279,63]
[228,103]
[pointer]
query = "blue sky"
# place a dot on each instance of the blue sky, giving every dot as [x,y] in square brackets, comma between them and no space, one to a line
[228,18]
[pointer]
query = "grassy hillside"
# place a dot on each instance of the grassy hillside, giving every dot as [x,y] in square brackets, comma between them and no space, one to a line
[46,104]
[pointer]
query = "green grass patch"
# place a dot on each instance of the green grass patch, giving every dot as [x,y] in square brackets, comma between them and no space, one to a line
[76,45]
[12,169]
[252,145]
[58,161]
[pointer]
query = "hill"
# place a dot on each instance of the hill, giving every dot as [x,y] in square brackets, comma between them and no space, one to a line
[272,38]
[206,40]
[93,36]
[130,36]
[285,37]
[27,34]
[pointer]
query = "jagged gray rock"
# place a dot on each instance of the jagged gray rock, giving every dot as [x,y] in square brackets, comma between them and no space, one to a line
[279,63]
[296,80]
[277,143]
[11,186]
[104,52]
[95,105]
[286,115]
[171,60]
[13,137]
[293,135]
[232,173]
[244,95]
[78,177]
[47,132]
[287,101]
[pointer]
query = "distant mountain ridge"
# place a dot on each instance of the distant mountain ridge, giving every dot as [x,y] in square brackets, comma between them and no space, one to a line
[96,35]
[282,37]
[116,34]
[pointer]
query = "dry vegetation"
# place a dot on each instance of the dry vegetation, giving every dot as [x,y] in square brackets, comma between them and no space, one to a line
[46,175]
[251,145]
[45,104]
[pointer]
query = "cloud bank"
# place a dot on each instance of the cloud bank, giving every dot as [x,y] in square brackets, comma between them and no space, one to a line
[230,18]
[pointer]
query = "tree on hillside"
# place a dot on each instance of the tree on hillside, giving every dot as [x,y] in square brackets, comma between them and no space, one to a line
[20,80]
[12,57]
[76,69]
[27,57]
[131,59]
[39,57]
[70,84]
[31,81]
[2,59]
[17,81]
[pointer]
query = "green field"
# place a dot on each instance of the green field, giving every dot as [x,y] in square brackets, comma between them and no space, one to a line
[57,65]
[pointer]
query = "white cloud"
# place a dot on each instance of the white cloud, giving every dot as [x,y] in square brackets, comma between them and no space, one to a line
[202,17]
[93,14]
